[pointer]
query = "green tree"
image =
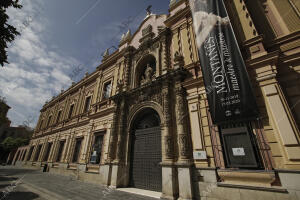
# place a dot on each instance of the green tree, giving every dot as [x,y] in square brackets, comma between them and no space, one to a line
[7,31]
[3,110]
[10,143]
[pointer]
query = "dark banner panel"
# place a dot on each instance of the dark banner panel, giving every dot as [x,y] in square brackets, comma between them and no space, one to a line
[229,93]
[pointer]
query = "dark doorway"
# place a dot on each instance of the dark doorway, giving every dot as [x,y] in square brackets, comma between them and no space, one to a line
[145,171]
[77,150]
[46,157]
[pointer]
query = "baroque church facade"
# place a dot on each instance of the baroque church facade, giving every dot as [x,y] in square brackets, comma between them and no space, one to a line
[141,119]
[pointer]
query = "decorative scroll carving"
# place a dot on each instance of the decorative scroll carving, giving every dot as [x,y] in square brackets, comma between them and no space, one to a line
[169,146]
[128,61]
[166,106]
[180,111]
[147,30]
[184,145]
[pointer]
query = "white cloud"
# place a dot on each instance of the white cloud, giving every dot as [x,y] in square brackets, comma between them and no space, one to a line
[36,70]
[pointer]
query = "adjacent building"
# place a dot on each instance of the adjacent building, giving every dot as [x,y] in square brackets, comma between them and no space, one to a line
[141,119]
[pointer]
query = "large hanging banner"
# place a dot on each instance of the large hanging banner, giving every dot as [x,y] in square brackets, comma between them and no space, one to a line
[229,93]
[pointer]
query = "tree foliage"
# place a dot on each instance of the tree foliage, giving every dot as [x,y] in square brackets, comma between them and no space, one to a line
[3,108]
[13,143]
[7,31]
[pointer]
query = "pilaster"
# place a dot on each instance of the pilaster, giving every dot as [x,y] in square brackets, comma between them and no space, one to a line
[184,146]
[128,66]
[165,54]
[87,137]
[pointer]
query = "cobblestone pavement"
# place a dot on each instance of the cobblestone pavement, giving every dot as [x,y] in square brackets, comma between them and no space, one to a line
[25,184]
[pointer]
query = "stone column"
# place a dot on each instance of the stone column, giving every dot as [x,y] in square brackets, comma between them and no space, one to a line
[119,172]
[165,51]
[45,145]
[128,61]
[27,153]
[89,147]
[69,150]
[105,170]
[184,164]
[96,91]
[169,180]
[182,135]
[113,136]
[68,141]
[34,151]
[167,140]
[121,138]
[54,150]
[87,137]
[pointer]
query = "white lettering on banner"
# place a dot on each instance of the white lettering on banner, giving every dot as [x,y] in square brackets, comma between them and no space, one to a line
[215,65]
[228,63]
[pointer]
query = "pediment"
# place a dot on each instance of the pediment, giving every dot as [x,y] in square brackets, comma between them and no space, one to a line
[150,25]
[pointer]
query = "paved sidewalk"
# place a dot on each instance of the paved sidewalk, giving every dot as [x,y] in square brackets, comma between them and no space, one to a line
[25,184]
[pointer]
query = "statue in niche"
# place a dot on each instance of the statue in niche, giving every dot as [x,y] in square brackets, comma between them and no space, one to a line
[148,75]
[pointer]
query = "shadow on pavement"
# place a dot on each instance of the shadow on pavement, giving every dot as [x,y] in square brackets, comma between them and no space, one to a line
[4,186]
[9,172]
[19,196]
[7,178]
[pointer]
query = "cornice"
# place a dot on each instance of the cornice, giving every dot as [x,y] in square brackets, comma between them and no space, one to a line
[270,58]
[290,58]
[178,3]
[253,41]
[70,126]
[177,16]
[70,90]
[112,58]
[284,39]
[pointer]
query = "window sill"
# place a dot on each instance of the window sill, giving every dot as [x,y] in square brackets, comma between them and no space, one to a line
[249,187]
[55,165]
[72,166]
[251,178]
[92,168]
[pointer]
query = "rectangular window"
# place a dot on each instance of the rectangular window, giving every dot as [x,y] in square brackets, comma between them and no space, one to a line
[97,149]
[58,116]
[37,154]
[87,104]
[71,111]
[46,157]
[60,151]
[30,153]
[49,120]
[106,90]
[239,148]
[77,150]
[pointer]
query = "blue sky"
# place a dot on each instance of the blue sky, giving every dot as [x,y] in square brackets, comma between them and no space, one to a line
[60,41]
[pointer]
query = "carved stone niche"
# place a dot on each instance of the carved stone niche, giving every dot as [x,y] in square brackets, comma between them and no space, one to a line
[146,70]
